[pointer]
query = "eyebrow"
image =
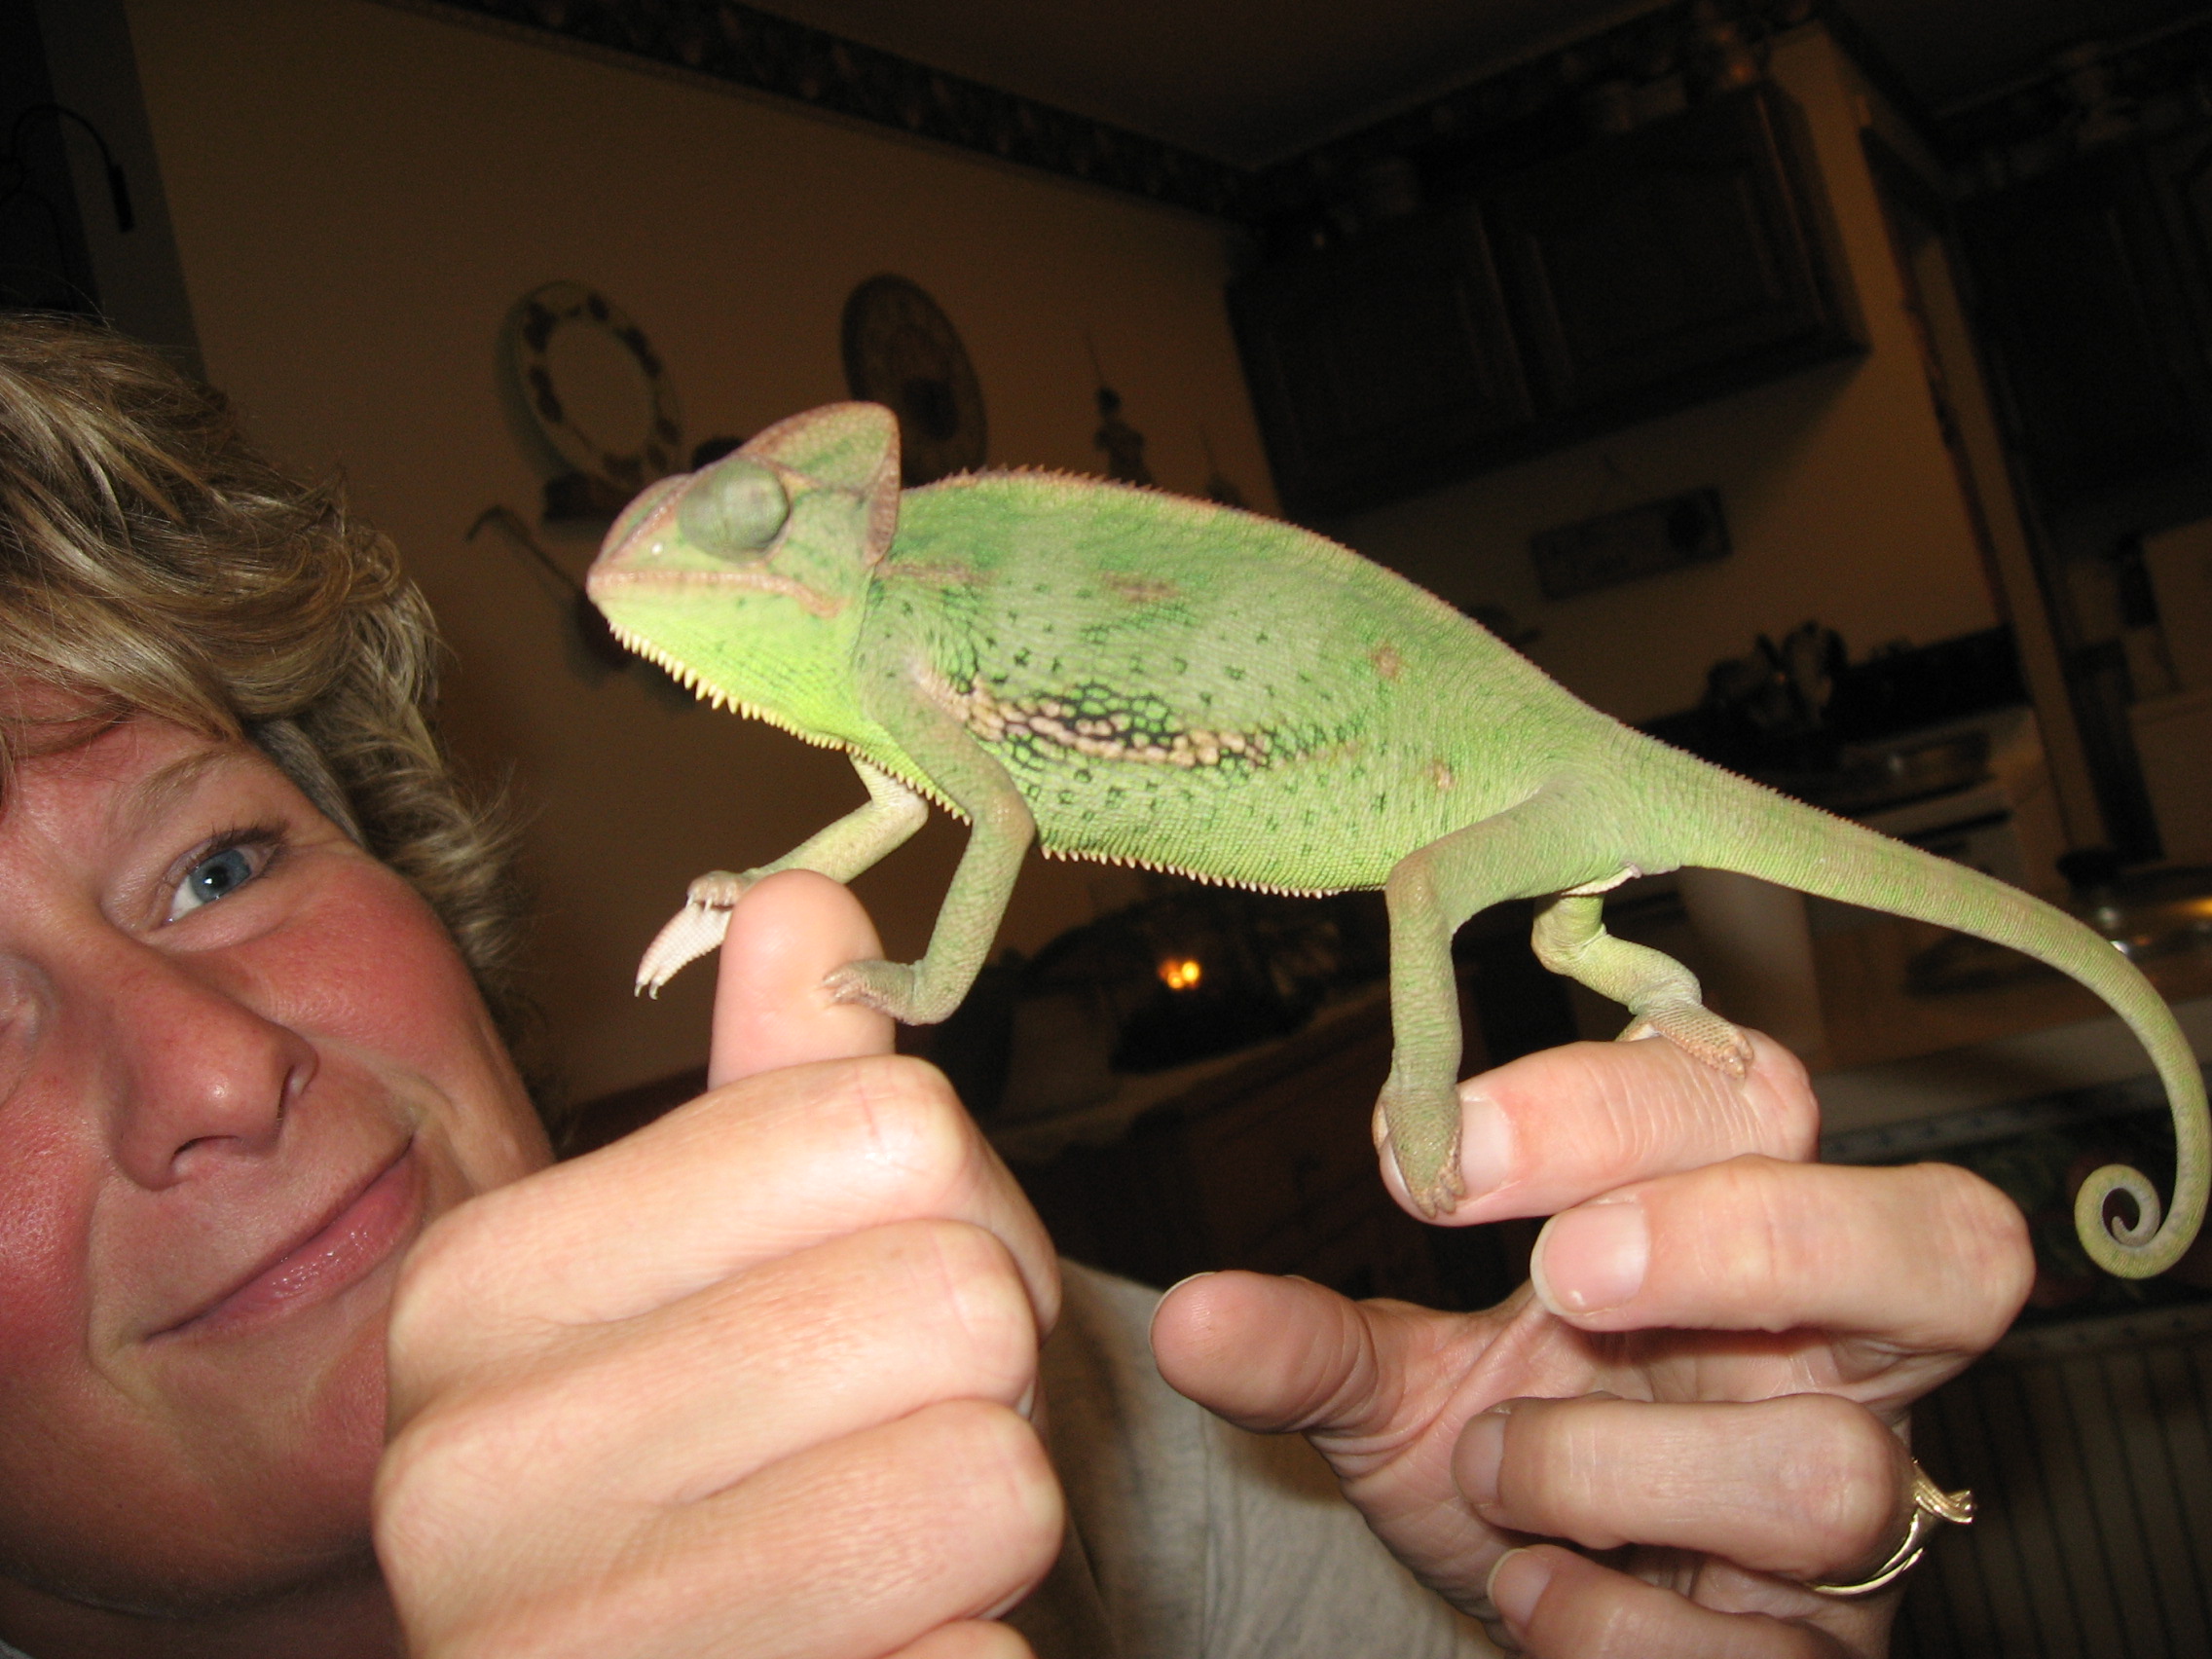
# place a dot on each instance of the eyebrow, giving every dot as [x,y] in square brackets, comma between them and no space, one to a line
[153,797]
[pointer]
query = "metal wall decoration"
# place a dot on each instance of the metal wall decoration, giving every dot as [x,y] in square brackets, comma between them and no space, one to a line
[605,467]
[901,350]
[1636,542]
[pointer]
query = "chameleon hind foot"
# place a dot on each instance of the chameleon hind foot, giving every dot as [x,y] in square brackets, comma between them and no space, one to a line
[1699,1033]
[888,987]
[902,989]
[1663,995]
[1421,1128]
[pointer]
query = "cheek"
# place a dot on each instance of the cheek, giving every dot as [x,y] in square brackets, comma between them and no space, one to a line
[164,1477]
[369,967]
[48,1183]
[231,1480]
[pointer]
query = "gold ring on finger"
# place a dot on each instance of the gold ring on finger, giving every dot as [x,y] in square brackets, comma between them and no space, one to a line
[1931,1503]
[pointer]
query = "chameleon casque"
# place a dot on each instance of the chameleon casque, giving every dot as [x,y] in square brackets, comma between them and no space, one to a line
[1128,676]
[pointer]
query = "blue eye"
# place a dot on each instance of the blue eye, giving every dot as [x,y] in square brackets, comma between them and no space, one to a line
[215,876]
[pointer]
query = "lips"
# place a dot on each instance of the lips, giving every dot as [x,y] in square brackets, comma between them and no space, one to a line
[340,1250]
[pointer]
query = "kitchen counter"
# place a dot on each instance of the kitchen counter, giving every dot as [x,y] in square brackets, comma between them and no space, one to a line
[1892,1056]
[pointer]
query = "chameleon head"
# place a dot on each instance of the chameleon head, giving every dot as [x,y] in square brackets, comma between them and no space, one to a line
[745,579]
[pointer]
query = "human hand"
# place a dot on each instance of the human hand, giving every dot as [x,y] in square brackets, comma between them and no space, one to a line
[755,1375]
[1713,1361]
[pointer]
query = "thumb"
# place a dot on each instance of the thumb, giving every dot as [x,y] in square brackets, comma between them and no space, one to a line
[786,936]
[1379,1388]
[1273,1354]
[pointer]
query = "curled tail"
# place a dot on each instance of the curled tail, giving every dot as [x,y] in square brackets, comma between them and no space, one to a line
[1794,845]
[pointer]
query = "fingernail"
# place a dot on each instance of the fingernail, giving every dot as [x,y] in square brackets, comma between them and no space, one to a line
[1187,1278]
[1486,1146]
[1592,1259]
[1170,1291]
[1517,1583]
[1480,1454]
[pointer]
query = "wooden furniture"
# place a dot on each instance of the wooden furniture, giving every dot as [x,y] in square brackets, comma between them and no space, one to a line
[1261,1161]
[2092,284]
[2085,279]
[2085,1448]
[1646,271]
[1381,369]
[1678,262]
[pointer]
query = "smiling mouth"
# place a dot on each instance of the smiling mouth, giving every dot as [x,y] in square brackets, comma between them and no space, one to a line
[347,1245]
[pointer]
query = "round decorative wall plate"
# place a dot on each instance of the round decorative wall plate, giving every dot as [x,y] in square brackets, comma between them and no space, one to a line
[597,392]
[903,351]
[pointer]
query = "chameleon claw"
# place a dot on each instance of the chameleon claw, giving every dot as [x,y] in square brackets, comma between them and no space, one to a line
[1441,1197]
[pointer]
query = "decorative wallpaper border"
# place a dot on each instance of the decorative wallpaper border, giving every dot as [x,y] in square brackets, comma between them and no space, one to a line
[2109,94]
[1500,119]
[752,49]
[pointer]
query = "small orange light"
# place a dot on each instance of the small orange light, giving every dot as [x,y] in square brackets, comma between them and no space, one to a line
[1179,972]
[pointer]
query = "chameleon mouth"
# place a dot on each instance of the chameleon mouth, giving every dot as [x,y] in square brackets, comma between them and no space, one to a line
[606,577]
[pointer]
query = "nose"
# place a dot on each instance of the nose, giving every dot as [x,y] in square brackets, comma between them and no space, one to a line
[195,1076]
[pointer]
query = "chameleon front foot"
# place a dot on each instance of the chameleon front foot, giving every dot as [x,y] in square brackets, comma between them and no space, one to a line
[693,931]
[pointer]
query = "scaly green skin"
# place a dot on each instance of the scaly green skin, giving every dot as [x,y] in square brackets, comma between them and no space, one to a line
[1125,674]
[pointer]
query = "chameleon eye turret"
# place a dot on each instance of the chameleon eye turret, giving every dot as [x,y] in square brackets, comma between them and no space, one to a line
[735,506]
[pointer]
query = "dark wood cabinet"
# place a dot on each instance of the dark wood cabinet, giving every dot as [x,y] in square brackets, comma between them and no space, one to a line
[2081,299]
[1263,1160]
[1672,264]
[1380,367]
[1643,272]
[2092,302]
[1263,1164]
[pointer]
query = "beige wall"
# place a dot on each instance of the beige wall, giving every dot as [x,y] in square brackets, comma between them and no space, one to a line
[1841,502]
[359,195]
[361,192]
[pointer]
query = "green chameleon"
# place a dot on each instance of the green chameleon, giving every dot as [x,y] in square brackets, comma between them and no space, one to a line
[1128,676]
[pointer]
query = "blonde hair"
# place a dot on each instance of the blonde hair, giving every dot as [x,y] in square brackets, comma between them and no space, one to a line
[151,563]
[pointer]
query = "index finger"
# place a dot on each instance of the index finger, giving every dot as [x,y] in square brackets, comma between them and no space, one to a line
[1925,1259]
[1556,1128]
[756,1170]
[812,1131]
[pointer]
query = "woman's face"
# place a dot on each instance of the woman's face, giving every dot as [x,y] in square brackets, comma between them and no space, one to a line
[241,1068]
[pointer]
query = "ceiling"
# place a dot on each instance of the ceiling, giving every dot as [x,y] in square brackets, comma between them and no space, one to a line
[1250,82]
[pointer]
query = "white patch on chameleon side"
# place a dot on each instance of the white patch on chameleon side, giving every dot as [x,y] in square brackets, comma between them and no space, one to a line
[1103,737]
[1386,660]
[1441,776]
